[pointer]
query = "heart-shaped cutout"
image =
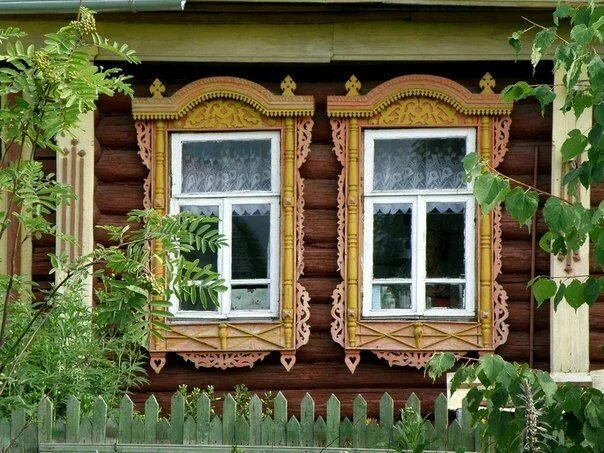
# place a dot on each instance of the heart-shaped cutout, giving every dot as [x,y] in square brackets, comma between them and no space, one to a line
[352,359]
[288,361]
[157,363]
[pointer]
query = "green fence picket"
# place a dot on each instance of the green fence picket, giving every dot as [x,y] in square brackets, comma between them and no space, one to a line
[151,419]
[30,439]
[17,428]
[4,433]
[320,436]
[372,435]
[85,435]
[138,430]
[359,421]
[307,421]
[467,435]
[189,432]
[346,433]
[215,434]
[99,421]
[242,431]
[72,425]
[333,422]
[255,419]
[386,418]
[267,429]
[204,412]
[441,421]
[45,420]
[177,418]
[111,432]
[58,431]
[164,428]
[414,402]
[125,424]
[294,432]
[229,417]
[280,419]
[454,435]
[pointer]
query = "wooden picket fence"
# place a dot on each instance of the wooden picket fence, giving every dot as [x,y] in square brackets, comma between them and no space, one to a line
[208,432]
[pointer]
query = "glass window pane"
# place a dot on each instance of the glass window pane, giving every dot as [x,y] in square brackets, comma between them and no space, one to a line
[250,242]
[388,296]
[188,305]
[226,166]
[250,297]
[392,240]
[445,295]
[208,257]
[418,163]
[445,235]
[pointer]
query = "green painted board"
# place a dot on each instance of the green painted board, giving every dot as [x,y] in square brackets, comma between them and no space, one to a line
[72,426]
[204,412]
[267,429]
[346,433]
[320,434]
[138,430]
[215,437]
[189,432]
[45,420]
[229,417]
[99,421]
[242,431]
[255,421]
[307,421]
[359,421]
[151,419]
[280,419]
[293,432]
[125,424]
[177,418]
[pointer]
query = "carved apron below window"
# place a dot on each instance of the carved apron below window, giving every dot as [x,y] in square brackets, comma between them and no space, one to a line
[380,311]
[228,124]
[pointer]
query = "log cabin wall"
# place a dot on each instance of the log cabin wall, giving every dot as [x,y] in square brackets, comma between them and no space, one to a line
[320,367]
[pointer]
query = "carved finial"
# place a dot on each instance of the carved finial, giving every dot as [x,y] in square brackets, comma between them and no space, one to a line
[157,89]
[487,83]
[288,86]
[353,86]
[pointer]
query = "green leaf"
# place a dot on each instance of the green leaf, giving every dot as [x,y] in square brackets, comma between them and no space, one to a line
[543,41]
[545,95]
[491,366]
[559,295]
[574,294]
[439,364]
[516,92]
[591,291]
[543,289]
[574,145]
[563,11]
[490,190]
[514,41]
[559,216]
[522,205]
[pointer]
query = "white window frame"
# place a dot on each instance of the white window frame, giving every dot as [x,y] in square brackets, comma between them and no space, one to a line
[418,200]
[224,201]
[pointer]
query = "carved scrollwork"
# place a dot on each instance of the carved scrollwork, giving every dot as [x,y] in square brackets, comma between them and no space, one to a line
[416,112]
[224,114]
[500,306]
[338,315]
[144,136]
[413,359]
[501,138]
[223,360]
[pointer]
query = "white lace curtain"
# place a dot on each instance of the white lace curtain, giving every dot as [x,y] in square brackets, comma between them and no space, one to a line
[426,163]
[260,209]
[226,166]
[401,208]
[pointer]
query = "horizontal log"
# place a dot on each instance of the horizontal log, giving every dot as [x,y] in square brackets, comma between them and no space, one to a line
[320,288]
[320,318]
[371,372]
[519,318]
[321,194]
[40,265]
[520,158]
[118,103]
[320,396]
[528,123]
[516,258]
[101,236]
[320,348]
[518,345]
[320,226]
[118,198]
[116,131]
[511,229]
[320,261]
[596,343]
[120,165]
[321,163]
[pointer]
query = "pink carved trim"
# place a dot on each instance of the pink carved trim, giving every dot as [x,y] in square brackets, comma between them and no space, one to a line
[501,137]
[302,315]
[413,359]
[352,359]
[157,360]
[497,247]
[288,359]
[337,313]
[223,360]
[144,137]
[501,328]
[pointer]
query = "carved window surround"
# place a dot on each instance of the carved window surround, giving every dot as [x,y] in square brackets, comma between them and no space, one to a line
[234,104]
[415,101]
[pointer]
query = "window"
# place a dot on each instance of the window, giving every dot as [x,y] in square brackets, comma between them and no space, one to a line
[233,176]
[419,224]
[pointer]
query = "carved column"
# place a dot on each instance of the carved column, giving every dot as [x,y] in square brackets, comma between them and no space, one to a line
[352,269]
[485,246]
[288,232]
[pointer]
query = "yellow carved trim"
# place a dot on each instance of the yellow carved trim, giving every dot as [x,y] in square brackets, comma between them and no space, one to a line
[157,89]
[224,114]
[487,83]
[288,86]
[486,254]
[352,214]
[202,90]
[444,90]
[289,167]
[353,86]
[416,112]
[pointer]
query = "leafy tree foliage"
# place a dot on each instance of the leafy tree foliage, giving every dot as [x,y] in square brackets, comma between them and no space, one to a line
[44,335]
[570,224]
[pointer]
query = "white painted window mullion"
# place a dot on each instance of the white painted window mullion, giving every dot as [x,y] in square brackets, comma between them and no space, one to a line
[225,270]
[419,225]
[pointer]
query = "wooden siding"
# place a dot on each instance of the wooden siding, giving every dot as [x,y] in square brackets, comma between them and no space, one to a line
[320,367]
